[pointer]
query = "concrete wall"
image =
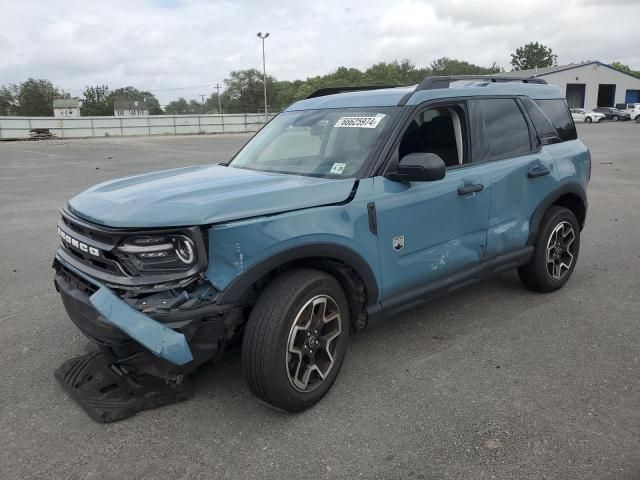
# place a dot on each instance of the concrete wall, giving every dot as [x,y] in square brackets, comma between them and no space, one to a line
[80,127]
[592,76]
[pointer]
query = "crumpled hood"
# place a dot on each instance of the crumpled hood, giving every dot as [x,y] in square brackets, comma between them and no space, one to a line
[201,195]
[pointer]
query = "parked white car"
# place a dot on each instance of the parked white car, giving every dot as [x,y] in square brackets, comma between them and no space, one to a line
[588,116]
[633,109]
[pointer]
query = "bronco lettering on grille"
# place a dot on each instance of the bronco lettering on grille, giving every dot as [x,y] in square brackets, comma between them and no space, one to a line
[83,247]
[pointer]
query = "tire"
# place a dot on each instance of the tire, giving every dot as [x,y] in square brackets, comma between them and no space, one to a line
[615,118]
[587,120]
[638,119]
[541,273]
[282,322]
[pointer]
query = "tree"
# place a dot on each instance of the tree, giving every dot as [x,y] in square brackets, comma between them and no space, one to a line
[533,55]
[177,107]
[244,92]
[451,66]
[96,101]
[34,98]
[7,101]
[132,94]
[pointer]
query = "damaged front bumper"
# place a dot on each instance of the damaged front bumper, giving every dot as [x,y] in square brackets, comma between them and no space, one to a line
[165,334]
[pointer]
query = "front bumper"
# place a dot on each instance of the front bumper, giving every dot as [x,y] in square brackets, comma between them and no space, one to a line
[165,344]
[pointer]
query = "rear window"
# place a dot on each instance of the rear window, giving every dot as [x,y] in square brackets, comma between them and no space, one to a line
[558,112]
[505,127]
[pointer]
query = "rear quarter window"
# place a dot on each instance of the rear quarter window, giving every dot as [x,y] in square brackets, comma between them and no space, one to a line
[558,112]
[541,122]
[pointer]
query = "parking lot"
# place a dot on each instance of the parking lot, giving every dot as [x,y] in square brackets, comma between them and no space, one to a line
[492,382]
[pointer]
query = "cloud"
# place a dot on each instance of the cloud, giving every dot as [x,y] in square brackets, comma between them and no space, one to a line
[159,45]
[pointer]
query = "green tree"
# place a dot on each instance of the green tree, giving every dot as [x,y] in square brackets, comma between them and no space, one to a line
[533,55]
[244,92]
[34,98]
[451,66]
[177,107]
[133,94]
[96,101]
[7,101]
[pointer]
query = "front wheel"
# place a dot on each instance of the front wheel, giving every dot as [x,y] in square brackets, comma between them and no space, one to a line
[555,251]
[615,118]
[296,339]
[638,119]
[587,120]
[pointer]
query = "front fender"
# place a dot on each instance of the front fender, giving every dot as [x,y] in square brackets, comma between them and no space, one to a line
[242,252]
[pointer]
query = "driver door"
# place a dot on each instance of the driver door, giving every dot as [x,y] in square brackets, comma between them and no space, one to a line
[430,230]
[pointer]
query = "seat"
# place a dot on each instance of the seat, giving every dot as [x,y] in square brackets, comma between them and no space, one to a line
[438,136]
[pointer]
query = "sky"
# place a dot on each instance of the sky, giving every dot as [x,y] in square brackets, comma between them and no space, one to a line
[183,48]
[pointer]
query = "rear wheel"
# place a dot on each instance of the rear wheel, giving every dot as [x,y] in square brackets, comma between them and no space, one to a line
[555,253]
[296,339]
[615,118]
[587,120]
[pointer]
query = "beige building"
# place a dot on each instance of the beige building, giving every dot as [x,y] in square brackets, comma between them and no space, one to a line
[130,108]
[589,84]
[66,107]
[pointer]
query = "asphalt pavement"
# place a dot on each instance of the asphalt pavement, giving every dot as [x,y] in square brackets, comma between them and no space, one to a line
[491,382]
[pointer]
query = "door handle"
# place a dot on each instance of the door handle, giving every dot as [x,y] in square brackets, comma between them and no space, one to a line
[470,188]
[536,172]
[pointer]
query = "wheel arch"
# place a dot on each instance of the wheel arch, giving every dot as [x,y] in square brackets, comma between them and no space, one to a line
[347,266]
[571,196]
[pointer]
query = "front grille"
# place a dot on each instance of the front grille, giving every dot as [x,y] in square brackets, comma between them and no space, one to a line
[90,247]
[93,250]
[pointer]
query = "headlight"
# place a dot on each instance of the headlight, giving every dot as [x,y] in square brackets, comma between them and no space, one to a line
[157,253]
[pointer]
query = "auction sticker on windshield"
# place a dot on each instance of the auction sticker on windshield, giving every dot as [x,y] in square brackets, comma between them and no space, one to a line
[359,122]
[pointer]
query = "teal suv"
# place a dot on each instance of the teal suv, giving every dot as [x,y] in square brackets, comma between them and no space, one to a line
[349,206]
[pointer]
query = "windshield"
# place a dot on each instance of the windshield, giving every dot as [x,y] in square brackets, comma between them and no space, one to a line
[333,143]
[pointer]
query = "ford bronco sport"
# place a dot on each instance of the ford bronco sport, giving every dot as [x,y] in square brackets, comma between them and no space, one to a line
[349,206]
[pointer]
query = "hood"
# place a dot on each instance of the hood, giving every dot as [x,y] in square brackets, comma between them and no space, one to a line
[202,195]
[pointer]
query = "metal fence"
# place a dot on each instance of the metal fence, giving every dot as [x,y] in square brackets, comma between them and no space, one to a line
[82,127]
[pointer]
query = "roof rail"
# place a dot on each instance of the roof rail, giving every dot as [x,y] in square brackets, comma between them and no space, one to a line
[332,90]
[431,83]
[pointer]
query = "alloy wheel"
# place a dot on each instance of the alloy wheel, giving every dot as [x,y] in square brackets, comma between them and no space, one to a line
[313,342]
[561,250]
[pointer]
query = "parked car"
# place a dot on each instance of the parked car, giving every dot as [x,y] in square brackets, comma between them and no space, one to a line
[614,114]
[588,116]
[633,109]
[349,206]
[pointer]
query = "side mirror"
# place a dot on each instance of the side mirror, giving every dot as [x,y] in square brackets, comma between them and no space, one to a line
[419,167]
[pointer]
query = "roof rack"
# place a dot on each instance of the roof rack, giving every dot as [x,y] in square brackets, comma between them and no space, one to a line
[431,83]
[332,90]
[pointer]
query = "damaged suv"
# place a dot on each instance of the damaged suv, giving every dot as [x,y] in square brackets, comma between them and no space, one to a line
[350,205]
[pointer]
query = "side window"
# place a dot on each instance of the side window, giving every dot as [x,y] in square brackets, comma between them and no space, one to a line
[439,130]
[558,113]
[505,127]
[544,128]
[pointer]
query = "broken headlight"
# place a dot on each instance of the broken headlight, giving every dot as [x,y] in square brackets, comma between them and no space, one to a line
[157,253]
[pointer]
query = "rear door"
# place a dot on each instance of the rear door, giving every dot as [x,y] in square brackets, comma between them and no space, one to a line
[522,173]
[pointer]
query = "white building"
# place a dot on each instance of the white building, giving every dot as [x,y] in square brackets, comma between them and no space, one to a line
[66,107]
[589,84]
[130,108]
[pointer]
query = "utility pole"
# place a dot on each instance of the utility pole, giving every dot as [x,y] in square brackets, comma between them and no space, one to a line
[203,104]
[264,74]
[219,102]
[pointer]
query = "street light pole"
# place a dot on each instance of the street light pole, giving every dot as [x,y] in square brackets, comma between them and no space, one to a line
[264,74]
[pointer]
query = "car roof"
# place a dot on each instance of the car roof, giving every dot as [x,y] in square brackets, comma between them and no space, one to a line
[388,97]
